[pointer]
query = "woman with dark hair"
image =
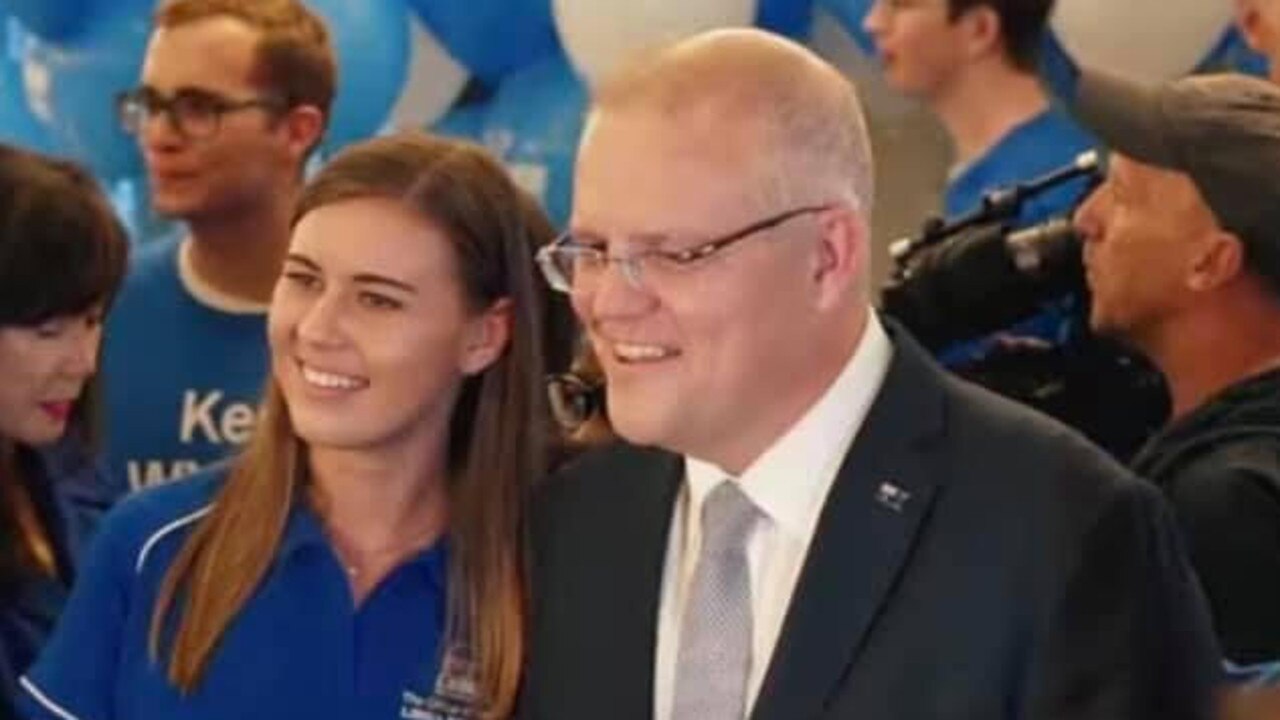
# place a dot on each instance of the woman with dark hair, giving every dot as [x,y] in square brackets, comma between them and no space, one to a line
[364,556]
[62,255]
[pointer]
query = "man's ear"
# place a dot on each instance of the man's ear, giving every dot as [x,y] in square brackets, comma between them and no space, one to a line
[1250,21]
[487,336]
[841,257]
[982,30]
[1218,262]
[304,127]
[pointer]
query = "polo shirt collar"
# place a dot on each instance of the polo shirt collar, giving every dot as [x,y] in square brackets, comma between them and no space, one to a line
[304,531]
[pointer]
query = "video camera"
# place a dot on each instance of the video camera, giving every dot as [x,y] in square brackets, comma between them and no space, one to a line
[978,274]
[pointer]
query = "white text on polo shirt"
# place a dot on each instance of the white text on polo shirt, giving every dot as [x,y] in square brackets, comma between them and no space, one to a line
[218,422]
[146,473]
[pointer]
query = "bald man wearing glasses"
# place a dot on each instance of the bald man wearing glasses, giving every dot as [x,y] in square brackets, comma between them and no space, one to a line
[808,518]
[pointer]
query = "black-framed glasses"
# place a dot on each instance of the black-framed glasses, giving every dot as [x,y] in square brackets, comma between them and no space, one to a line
[571,261]
[195,114]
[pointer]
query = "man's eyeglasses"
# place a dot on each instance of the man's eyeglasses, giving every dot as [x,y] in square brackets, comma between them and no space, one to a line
[899,5]
[194,114]
[572,261]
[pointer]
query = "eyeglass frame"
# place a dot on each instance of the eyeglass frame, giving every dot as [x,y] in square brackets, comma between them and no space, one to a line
[896,6]
[629,263]
[165,105]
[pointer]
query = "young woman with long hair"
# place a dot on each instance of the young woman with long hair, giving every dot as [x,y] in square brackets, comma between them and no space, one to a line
[363,557]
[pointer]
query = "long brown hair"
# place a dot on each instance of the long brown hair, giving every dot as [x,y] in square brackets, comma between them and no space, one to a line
[496,434]
[62,252]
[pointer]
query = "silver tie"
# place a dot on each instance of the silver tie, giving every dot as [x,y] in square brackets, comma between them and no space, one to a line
[714,656]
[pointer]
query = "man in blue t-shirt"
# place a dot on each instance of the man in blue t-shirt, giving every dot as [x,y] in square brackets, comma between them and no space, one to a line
[973,63]
[225,128]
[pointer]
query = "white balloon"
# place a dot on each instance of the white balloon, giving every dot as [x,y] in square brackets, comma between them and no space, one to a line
[1147,40]
[598,38]
[432,83]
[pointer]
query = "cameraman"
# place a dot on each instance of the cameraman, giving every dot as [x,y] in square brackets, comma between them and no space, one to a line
[1182,253]
[974,64]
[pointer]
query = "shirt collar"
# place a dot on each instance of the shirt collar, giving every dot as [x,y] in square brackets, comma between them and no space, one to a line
[790,480]
[304,531]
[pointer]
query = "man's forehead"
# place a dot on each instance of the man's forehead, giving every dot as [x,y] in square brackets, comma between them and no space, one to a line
[216,52]
[1163,189]
[633,147]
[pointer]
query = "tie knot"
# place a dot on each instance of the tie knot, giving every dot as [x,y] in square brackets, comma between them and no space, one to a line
[727,517]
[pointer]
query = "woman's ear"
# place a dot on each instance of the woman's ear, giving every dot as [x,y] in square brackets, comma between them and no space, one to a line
[487,336]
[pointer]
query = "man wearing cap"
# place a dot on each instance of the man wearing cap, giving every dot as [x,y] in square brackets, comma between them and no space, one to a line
[973,63]
[1182,251]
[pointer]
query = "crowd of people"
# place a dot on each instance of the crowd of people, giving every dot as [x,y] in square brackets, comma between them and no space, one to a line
[299,459]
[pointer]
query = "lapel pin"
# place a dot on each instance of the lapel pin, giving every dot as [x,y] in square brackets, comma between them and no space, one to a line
[892,496]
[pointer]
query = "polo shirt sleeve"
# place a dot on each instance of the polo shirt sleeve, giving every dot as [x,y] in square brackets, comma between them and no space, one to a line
[74,677]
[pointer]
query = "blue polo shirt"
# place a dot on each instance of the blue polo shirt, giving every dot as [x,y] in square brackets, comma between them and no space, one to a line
[298,649]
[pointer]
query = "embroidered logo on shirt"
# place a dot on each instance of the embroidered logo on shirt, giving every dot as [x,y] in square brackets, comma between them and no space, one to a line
[454,696]
[436,707]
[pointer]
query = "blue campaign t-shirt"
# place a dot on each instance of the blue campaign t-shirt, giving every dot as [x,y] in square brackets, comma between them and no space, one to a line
[1038,146]
[183,371]
[299,648]
[1042,144]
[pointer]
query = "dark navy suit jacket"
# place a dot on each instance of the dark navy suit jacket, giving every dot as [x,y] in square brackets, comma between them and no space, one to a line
[973,560]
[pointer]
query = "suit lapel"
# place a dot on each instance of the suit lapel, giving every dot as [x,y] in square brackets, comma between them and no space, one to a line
[871,517]
[633,560]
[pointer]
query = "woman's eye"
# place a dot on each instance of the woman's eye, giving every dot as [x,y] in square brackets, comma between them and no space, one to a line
[303,280]
[51,328]
[379,302]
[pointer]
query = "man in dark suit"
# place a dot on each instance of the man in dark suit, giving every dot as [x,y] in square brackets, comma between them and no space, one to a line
[808,518]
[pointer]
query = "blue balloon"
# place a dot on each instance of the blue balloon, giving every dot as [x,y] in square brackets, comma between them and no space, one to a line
[850,14]
[18,126]
[371,38]
[533,124]
[72,87]
[491,37]
[50,19]
[1233,53]
[793,18]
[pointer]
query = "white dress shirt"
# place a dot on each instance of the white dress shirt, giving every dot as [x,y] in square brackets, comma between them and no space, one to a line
[789,483]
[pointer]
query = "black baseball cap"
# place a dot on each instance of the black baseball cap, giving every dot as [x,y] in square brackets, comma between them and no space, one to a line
[1221,130]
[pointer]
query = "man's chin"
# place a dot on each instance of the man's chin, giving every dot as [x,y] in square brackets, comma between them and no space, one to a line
[638,426]
[1105,326]
[170,205]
